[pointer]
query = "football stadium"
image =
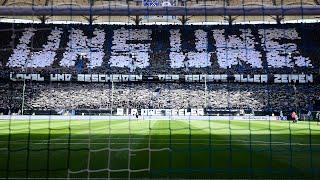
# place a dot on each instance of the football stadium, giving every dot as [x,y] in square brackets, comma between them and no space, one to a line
[159,89]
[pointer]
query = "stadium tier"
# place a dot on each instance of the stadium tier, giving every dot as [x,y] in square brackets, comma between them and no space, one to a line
[160,49]
[268,54]
[218,97]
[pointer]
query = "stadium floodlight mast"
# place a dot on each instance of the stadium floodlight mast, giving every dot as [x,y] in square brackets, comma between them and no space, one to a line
[205,91]
[24,88]
[112,88]
[23,94]
[295,98]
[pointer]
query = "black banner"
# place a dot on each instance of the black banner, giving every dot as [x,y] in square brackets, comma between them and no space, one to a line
[191,78]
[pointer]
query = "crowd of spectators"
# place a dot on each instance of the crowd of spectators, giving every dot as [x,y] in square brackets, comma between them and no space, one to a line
[151,50]
[160,49]
[258,97]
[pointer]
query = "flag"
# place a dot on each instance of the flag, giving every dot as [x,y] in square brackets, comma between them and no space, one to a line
[151,3]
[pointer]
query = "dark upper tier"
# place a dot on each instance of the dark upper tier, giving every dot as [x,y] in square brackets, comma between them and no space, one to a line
[160,49]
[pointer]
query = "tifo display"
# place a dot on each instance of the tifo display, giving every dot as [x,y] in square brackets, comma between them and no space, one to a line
[159,89]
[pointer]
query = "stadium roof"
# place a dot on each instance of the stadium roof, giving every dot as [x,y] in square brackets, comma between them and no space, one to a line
[140,2]
[120,11]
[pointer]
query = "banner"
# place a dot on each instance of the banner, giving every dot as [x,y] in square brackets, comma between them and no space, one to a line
[192,78]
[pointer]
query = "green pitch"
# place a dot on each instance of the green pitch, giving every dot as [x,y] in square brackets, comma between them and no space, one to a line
[159,149]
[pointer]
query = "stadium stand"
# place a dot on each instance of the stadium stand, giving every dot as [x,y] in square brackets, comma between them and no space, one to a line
[253,97]
[152,50]
[200,49]
[159,89]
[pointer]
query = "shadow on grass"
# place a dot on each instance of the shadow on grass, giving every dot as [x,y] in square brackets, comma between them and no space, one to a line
[159,156]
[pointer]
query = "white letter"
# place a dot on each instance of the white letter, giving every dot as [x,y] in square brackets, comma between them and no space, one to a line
[123,52]
[234,49]
[80,44]
[282,55]
[198,59]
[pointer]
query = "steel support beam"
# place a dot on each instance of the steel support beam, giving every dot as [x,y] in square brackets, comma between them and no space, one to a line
[174,10]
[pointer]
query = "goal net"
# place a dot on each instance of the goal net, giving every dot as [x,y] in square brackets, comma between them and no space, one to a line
[193,96]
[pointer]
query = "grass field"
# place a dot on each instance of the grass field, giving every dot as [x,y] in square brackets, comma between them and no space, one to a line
[159,149]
